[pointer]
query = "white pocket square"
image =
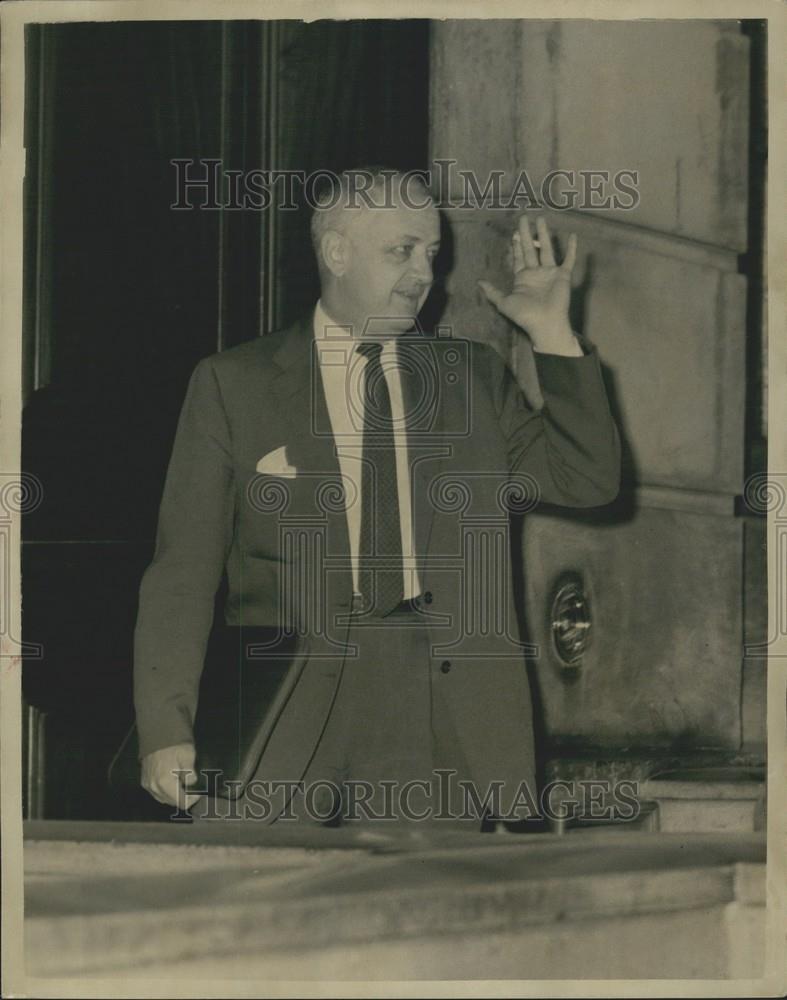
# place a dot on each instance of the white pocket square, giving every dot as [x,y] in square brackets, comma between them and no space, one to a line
[275,464]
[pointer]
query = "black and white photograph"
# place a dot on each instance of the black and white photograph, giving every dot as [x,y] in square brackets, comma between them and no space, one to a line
[393,524]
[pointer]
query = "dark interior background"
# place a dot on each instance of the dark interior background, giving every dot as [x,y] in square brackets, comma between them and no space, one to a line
[123,295]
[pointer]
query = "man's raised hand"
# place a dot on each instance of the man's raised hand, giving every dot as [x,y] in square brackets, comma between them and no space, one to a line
[539,299]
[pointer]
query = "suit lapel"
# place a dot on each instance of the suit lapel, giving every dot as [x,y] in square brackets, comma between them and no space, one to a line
[298,391]
[311,448]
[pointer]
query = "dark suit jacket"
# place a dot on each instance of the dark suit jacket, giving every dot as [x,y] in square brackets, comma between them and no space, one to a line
[473,436]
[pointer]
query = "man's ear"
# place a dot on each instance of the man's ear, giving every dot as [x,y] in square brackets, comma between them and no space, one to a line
[334,250]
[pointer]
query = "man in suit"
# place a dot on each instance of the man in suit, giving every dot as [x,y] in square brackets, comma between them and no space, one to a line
[396,586]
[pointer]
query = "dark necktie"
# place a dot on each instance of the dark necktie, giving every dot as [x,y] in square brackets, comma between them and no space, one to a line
[380,555]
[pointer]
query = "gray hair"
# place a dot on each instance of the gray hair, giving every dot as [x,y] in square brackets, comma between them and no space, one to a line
[353,190]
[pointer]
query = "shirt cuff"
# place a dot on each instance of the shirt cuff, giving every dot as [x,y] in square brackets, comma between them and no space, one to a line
[584,343]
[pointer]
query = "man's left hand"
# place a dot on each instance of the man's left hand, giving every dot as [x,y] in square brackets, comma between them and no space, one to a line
[539,300]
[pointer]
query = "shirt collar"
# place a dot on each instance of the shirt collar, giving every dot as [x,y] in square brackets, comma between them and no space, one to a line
[326,328]
[329,334]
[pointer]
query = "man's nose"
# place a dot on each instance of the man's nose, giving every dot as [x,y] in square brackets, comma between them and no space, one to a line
[421,266]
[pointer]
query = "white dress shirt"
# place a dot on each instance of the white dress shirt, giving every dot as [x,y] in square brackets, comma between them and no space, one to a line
[342,371]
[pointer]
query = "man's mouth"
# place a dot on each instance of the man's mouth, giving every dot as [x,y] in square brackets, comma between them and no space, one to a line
[412,298]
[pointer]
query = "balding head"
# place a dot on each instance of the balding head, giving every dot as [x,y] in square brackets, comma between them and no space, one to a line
[375,232]
[346,196]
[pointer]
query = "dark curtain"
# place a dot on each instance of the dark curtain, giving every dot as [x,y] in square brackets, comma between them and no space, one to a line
[123,296]
[356,93]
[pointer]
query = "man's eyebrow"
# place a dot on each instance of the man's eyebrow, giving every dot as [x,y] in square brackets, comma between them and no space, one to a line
[416,239]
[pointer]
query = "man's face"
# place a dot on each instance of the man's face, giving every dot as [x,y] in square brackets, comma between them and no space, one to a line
[388,273]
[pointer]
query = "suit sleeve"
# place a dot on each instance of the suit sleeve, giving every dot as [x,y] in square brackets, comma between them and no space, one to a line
[178,589]
[571,447]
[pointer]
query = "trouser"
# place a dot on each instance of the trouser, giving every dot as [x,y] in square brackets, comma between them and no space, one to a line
[389,753]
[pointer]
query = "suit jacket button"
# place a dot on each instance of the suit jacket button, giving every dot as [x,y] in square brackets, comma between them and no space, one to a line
[445,666]
[428,597]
